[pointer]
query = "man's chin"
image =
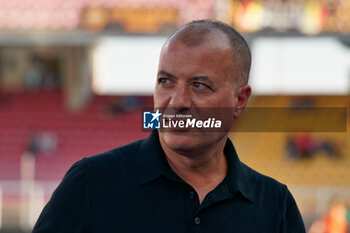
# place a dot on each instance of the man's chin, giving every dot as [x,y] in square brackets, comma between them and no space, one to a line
[179,140]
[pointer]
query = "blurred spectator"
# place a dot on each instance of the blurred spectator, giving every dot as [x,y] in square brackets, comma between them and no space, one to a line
[303,145]
[45,143]
[303,102]
[336,220]
[34,75]
[123,104]
[330,148]
[50,81]
[318,226]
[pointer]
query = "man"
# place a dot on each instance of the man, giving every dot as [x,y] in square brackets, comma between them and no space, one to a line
[179,180]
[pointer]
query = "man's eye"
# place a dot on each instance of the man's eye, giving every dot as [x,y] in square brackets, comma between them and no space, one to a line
[199,85]
[163,81]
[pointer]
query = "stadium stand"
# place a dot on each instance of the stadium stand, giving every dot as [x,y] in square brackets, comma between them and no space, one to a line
[80,134]
[266,152]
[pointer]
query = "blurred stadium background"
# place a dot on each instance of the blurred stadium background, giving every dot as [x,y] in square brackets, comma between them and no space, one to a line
[75,74]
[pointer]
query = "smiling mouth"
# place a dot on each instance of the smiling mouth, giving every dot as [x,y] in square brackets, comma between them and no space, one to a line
[173,125]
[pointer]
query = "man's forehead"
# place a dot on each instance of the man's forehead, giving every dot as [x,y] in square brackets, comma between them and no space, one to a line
[213,39]
[209,60]
[203,55]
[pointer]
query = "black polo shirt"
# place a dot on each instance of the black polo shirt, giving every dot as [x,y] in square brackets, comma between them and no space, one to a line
[132,189]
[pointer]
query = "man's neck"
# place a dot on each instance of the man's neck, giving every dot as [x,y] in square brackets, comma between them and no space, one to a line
[203,170]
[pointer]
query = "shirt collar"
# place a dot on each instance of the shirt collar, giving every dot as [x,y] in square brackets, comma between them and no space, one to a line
[152,161]
[238,176]
[153,164]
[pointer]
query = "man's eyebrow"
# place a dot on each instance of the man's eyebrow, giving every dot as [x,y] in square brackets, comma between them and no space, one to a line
[203,78]
[195,78]
[164,73]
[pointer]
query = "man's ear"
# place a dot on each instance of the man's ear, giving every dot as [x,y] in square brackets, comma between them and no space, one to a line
[241,99]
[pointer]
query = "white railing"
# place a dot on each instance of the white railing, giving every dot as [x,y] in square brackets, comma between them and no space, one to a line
[30,198]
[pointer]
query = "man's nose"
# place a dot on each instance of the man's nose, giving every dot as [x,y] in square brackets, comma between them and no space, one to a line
[181,97]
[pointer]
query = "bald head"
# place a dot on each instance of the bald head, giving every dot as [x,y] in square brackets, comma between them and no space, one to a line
[200,32]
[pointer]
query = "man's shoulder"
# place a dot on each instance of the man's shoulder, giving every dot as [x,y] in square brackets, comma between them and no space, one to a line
[263,185]
[117,158]
[257,177]
[118,152]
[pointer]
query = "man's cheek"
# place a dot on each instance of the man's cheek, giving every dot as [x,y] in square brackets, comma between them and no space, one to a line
[160,99]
